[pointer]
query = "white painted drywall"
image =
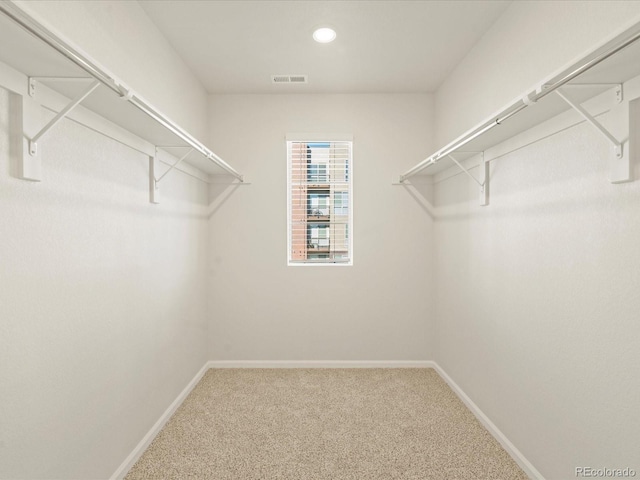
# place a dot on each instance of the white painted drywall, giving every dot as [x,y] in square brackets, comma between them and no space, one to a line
[120,36]
[538,295]
[538,301]
[378,309]
[102,303]
[529,42]
[102,295]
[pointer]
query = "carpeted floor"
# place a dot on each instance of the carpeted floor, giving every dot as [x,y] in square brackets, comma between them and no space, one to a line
[317,424]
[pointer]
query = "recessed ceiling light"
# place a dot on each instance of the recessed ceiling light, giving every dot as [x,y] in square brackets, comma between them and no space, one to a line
[324,35]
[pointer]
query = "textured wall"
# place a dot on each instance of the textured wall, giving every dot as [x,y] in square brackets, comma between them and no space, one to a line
[378,309]
[120,36]
[102,303]
[102,295]
[537,294]
[106,310]
[529,42]
[538,302]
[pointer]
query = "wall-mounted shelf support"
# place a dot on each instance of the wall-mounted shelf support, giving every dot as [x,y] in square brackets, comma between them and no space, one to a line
[483,183]
[465,170]
[33,142]
[154,191]
[617,88]
[33,82]
[617,146]
[104,77]
[154,182]
[620,167]
[174,165]
[25,125]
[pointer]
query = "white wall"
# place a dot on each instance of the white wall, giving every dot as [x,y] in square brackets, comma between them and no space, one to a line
[120,36]
[108,305]
[102,304]
[378,309]
[529,42]
[538,301]
[537,294]
[102,295]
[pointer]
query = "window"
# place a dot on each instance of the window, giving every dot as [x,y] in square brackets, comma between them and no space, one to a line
[318,203]
[319,200]
[341,203]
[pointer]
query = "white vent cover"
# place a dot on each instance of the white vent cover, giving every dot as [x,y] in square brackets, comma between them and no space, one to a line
[289,79]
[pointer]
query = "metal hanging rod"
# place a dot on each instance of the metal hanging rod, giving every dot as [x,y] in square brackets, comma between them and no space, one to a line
[35,28]
[520,105]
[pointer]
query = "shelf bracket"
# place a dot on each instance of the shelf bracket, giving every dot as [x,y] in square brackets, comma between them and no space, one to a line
[29,161]
[154,182]
[24,116]
[33,142]
[483,183]
[154,191]
[618,89]
[485,179]
[465,170]
[620,166]
[157,180]
[33,81]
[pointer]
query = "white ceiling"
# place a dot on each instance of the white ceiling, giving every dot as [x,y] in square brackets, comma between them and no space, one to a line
[382,46]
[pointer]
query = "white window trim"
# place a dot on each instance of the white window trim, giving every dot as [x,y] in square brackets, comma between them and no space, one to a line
[317,137]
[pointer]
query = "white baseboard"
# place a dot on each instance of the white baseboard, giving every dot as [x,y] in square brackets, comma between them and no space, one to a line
[151,434]
[517,456]
[321,364]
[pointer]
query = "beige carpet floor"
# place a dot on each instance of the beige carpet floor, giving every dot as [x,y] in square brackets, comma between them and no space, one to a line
[317,424]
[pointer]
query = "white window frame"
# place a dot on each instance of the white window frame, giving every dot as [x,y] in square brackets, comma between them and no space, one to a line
[315,137]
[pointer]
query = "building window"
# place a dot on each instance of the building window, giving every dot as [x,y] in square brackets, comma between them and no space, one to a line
[320,210]
[341,203]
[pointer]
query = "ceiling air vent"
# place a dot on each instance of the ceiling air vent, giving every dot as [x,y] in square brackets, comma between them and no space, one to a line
[289,79]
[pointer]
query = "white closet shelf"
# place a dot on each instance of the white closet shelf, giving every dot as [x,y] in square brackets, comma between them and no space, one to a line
[607,67]
[45,58]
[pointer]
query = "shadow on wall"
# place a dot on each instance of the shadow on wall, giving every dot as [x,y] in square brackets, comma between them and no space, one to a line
[570,165]
[79,162]
[125,191]
[220,192]
[421,189]
[15,108]
[570,206]
[522,196]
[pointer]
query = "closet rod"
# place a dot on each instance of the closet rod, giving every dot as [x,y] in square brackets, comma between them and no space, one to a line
[519,106]
[35,28]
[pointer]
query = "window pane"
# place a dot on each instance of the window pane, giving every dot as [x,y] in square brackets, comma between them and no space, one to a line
[341,203]
[319,214]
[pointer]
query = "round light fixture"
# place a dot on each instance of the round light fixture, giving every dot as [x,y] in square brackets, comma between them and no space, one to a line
[324,35]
